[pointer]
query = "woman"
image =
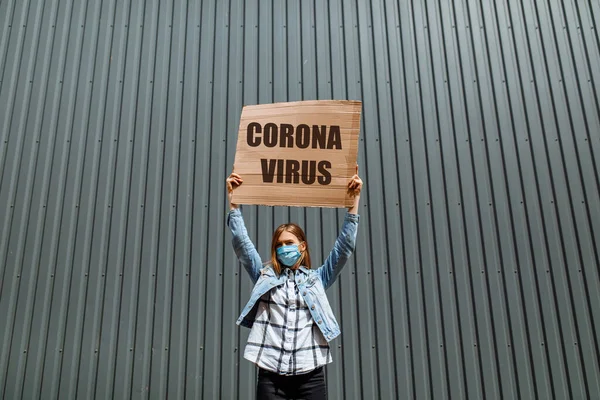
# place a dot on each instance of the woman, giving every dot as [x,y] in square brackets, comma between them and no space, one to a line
[289,315]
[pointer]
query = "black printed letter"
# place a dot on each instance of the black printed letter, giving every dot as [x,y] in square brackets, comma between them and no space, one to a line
[268,171]
[326,178]
[253,127]
[335,139]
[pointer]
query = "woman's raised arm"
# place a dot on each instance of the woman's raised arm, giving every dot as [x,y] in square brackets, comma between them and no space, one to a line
[242,245]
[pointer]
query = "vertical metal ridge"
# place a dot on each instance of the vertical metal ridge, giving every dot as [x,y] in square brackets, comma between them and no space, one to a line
[385,369]
[446,172]
[471,342]
[576,358]
[546,338]
[32,385]
[560,343]
[512,326]
[391,23]
[34,264]
[538,108]
[589,364]
[9,10]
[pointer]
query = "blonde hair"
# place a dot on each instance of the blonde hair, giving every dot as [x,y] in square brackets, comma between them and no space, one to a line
[299,233]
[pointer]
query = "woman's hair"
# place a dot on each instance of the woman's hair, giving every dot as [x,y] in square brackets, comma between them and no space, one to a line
[299,233]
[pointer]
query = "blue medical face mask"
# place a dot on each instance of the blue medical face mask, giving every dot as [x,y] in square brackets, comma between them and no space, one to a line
[288,255]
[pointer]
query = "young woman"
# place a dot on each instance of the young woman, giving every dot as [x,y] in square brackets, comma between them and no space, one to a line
[289,315]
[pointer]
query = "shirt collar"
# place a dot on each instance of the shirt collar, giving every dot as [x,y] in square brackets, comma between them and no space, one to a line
[302,269]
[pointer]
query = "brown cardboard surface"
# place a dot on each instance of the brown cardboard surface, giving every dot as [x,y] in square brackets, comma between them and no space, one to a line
[248,164]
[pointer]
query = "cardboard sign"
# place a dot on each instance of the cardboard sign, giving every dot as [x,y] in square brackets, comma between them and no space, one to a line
[298,153]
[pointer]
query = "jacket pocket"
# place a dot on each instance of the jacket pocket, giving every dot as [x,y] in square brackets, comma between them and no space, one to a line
[311,281]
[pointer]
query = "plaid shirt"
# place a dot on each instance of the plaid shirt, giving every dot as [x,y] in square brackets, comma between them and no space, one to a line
[284,338]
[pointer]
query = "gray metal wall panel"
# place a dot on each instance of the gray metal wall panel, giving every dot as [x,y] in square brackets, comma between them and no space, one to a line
[476,273]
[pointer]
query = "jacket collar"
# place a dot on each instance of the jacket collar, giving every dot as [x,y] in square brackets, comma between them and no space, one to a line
[268,270]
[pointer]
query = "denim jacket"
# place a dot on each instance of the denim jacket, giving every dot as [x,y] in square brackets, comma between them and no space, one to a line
[311,284]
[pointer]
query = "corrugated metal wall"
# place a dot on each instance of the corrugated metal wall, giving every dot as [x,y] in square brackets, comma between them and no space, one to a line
[476,273]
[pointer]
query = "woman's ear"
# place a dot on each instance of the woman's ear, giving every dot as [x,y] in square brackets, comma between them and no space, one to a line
[302,246]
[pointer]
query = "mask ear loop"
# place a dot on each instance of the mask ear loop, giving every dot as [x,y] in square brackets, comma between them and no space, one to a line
[302,254]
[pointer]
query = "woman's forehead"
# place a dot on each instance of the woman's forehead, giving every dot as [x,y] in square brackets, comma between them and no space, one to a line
[287,237]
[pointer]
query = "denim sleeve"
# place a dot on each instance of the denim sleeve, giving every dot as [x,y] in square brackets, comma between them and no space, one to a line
[341,252]
[243,246]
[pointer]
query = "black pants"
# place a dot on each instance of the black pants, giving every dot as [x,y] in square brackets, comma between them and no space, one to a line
[306,386]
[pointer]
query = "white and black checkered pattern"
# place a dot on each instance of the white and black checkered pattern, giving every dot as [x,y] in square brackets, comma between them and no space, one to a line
[284,338]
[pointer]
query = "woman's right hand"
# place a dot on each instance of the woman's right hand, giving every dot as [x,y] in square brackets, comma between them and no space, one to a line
[233,181]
